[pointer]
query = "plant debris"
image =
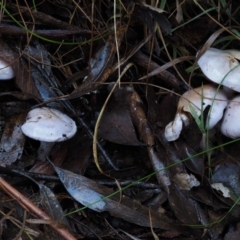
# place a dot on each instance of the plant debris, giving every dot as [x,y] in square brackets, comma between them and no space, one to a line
[118,69]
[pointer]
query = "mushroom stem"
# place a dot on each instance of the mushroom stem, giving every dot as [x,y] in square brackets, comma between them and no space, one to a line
[44,150]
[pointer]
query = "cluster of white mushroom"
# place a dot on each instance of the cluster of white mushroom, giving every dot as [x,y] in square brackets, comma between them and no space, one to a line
[222,67]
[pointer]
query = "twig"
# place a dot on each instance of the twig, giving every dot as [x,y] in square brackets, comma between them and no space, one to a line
[30,207]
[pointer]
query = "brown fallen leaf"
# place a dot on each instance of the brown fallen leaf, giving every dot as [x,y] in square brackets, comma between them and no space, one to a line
[116,123]
[23,78]
[95,197]
[165,75]
[32,208]
[101,63]
[233,234]
[12,141]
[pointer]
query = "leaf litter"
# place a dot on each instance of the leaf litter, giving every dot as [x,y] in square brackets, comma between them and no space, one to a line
[150,188]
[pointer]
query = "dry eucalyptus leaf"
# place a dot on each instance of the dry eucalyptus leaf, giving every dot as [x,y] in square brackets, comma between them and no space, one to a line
[91,194]
[12,141]
[23,77]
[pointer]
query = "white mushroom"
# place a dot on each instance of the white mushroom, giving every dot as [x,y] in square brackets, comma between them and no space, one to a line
[48,125]
[222,67]
[231,121]
[174,128]
[6,71]
[199,98]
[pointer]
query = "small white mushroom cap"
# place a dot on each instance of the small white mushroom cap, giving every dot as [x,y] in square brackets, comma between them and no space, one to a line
[217,64]
[211,97]
[231,121]
[174,128]
[48,125]
[6,71]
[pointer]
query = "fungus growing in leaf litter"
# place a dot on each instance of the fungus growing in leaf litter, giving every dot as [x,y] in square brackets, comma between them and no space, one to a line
[199,98]
[6,71]
[222,67]
[219,66]
[48,125]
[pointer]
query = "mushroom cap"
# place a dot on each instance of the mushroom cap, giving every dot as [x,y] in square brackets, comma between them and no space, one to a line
[174,128]
[199,98]
[6,71]
[48,125]
[211,97]
[231,121]
[216,65]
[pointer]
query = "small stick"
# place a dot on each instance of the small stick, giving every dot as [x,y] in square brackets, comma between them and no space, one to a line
[30,207]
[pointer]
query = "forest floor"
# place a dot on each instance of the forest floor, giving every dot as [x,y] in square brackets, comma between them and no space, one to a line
[118,69]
